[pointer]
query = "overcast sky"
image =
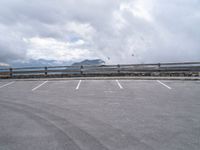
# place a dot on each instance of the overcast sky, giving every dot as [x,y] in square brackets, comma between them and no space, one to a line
[127,31]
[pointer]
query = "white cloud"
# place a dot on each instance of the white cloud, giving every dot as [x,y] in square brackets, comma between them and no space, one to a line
[85,30]
[139,8]
[152,30]
[52,49]
[4,65]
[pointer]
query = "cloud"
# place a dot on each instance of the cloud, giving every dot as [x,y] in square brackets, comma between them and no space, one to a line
[52,49]
[11,45]
[127,31]
[4,65]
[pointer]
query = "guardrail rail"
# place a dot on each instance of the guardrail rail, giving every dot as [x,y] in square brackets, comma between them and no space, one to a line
[158,69]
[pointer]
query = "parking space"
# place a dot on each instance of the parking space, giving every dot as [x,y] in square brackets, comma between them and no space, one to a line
[4,84]
[108,114]
[95,85]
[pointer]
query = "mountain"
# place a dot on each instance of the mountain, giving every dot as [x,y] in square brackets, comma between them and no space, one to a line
[39,63]
[89,62]
[43,63]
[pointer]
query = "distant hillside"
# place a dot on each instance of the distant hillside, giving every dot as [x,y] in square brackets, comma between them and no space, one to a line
[43,63]
[89,62]
[39,63]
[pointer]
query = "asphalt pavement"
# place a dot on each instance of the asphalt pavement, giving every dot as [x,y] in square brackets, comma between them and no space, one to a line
[99,115]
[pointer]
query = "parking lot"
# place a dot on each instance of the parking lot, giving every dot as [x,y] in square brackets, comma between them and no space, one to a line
[99,115]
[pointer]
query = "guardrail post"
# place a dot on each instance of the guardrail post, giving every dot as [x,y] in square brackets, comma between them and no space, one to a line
[159,68]
[81,70]
[118,68]
[159,65]
[45,68]
[11,72]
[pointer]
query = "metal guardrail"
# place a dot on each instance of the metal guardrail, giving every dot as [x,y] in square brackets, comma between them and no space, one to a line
[159,69]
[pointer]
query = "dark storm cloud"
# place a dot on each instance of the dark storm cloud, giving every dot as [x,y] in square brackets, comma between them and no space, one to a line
[152,30]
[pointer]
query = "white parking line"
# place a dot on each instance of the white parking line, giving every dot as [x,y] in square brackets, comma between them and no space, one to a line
[79,83]
[164,84]
[6,84]
[120,86]
[39,86]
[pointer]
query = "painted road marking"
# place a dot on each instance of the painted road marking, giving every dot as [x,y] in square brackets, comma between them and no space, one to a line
[39,86]
[120,86]
[79,83]
[6,84]
[164,84]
